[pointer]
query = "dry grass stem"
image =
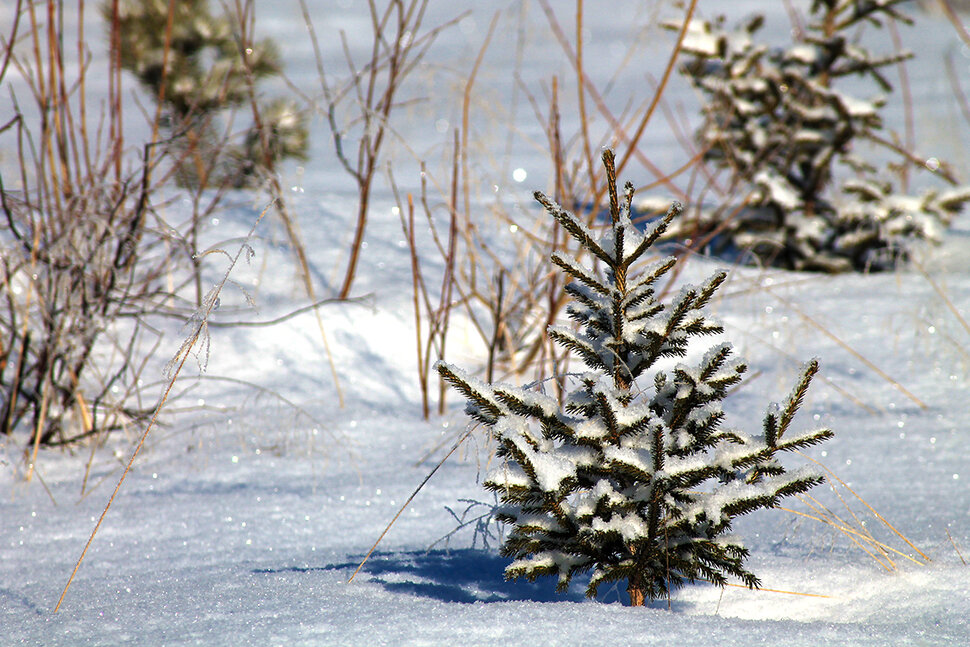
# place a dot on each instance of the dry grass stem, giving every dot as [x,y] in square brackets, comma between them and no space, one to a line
[955,20]
[782,591]
[943,295]
[200,336]
[408,502]
[825,331]
[857,532]
[956,548]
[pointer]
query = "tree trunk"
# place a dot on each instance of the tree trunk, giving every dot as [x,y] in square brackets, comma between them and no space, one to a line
[635,589]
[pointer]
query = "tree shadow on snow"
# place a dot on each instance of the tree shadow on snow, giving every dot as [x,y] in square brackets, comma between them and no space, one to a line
[463,576]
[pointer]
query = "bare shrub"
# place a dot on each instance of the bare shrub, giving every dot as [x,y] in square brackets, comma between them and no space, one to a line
[83,251]
[359,108]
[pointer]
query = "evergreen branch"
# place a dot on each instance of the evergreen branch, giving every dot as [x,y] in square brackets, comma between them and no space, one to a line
[867,11]
[655,232]
[797,396]
[478,394]
[627,207]
[587,296]
[758,458]
[743,506]
[770,425]
[807,440]
[645,313]
[657,434]
[640,425]
[574,227]
[679,309]
[609,163]
[709,288]
[699,326]
[608,416]
[567,339]
[714,360]
[619,242]
[526,403]
[720,384]
[707,427]
[580,273]
[649,277]
[798,486]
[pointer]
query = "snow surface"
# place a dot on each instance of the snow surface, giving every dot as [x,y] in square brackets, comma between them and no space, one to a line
[247,514]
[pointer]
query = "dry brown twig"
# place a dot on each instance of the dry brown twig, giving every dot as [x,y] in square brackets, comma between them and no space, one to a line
[245,17]
[80,246]
[397,46]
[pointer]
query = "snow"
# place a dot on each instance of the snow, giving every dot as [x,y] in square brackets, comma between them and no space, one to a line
[551,468]
[630,527]
[806,54]
[509,475]
[778,189]
[698,38]
[858,107]
[245,516]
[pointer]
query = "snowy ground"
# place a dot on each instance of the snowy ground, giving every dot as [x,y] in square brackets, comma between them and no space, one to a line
[244,518]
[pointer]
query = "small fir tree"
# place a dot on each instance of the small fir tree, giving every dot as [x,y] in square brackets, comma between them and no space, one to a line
[629,484]
[776,120]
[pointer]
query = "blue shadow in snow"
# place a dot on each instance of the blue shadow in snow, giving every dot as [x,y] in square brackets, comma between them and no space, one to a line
[17,599]
[463,576]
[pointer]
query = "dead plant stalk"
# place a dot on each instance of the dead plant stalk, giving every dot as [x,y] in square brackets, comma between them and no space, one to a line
[200,333]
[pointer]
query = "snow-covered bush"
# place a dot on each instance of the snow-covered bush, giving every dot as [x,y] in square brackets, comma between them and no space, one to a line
[777,123]
[633,481]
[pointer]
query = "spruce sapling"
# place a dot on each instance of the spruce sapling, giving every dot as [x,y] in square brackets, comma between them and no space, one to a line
[627,482]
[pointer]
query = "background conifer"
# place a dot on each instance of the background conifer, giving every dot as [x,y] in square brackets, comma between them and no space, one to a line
[780,123]
[208,67]
[632,481]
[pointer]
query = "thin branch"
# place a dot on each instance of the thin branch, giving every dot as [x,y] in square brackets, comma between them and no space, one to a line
[362,300]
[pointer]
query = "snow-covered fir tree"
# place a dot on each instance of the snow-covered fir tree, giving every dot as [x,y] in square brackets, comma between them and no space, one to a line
[776,121]
[632,479]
